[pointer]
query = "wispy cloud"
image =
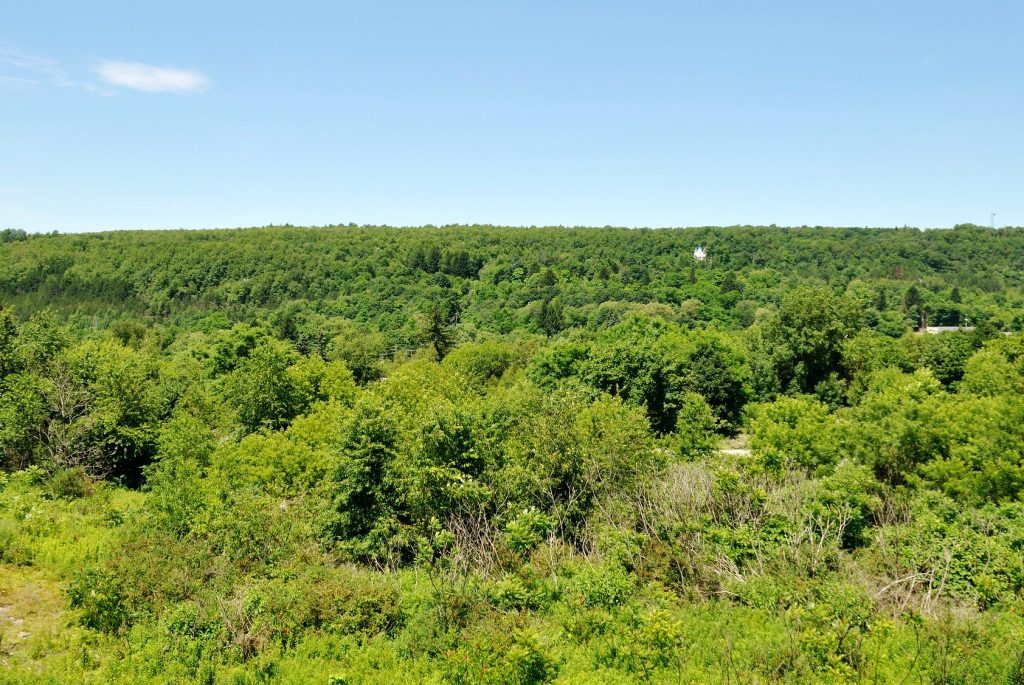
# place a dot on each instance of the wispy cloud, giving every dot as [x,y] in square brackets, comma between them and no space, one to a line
[151,79]
[22,68]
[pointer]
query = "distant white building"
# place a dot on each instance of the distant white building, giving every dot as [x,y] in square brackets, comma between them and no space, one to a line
[945,329]
[699,254]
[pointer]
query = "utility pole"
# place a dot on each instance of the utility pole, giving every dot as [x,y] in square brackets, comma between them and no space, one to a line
[992,220]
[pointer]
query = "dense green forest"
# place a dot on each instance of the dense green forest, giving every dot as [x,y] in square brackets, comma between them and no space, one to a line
[477,454]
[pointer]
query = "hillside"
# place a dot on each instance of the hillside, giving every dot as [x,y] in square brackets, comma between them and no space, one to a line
[380,275]
[512,455]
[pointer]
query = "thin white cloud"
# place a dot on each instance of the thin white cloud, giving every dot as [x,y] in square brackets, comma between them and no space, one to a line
[150,79]
[22,68]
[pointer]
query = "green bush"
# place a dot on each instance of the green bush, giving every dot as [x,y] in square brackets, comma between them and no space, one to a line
[696,428]
[518,659]
[793,433]
[607,586]
[849,498]
[486,361]
[654,643]
[527,530]
[69,484]
[516,592]
[100,597]
[8,540]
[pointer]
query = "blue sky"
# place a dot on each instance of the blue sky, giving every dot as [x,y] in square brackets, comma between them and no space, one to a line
[206,114]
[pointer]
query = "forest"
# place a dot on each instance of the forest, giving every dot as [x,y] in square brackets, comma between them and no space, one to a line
[479,454]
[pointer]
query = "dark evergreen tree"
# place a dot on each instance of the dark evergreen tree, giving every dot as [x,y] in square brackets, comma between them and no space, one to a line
[550,317]
[439,330]
[729,283]
[433,261]
[914,305]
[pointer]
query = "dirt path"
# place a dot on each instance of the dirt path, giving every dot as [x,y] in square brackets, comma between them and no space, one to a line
[737,446]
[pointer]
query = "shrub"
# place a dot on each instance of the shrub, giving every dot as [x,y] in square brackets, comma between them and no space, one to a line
[99,596]
[848,495]
[8,537]
[696,427]
[792,433]
[71,483]
[499,660]
[485,361]
[654,643]
[607,586]
[516,592]
[345,601]
[527,530]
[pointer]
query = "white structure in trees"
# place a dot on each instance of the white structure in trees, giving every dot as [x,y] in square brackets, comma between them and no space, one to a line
[699,254]
[945,329]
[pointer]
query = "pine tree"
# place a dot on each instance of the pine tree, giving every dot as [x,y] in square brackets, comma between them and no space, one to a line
[729,283]
[433,261]
[912,301]
[550,318]
[438,331]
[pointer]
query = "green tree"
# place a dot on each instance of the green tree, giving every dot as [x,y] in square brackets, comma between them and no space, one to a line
[261,389]
[988,372]
[696,427]
[364,486]
[361,350]
[793,433]
[9,358]
[438,331]
[575,458]
[550,317]
[23,416]
[124,404]
[913,304]
[801,345]
[715,370]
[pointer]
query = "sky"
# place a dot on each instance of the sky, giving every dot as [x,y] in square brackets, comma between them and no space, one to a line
[118,115]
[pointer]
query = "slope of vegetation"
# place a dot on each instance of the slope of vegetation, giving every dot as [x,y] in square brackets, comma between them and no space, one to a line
[490,455]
